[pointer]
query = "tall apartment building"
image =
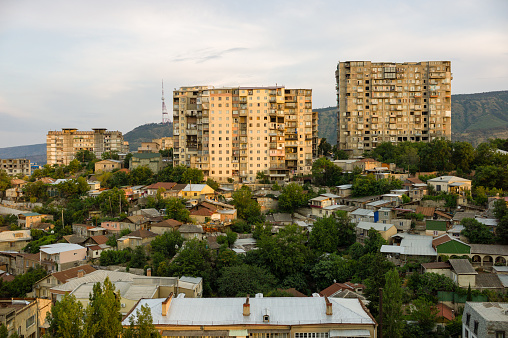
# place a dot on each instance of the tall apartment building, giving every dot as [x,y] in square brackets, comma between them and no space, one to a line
[63,145]
[392,102]
[236,132]
[16,166]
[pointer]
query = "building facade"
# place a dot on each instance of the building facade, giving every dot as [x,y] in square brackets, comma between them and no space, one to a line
[237,132]
[485,320]
[392,102]
[16,166]
[63,145]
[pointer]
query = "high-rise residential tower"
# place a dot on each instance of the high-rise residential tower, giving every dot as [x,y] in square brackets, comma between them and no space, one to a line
[236,132]
[392,102]
[63,145]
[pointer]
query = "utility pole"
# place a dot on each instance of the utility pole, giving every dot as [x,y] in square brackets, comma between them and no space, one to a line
[380,313]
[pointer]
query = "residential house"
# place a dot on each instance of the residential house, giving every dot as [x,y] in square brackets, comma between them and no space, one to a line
[197,191]
[415,188]
[435,228]
[75,239]
[360,202]
[190,231]
[14,240]
[16,189]
[16,166]
[344,290]
[22,316]
[227,215]
[202,215]
[485,320]
[344,190]
[86,231]
[65,255]
[108,165]
[299,317]
[164,226]
[28,219]
[460,215]
[452,185]
[94,251]
[96,240]
[41,287]
[463,273]
[132,223]
[149,147]
[162,187]
[389,215]
[136,238]
[362,215]
[487,255]
[407,247]
[150,160]
[449,246]
[385,230]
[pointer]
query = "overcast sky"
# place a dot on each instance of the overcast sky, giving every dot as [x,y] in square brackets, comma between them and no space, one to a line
[96,63]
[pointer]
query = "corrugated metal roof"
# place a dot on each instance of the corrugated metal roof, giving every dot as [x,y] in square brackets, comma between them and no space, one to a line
[60,247]
[228,311]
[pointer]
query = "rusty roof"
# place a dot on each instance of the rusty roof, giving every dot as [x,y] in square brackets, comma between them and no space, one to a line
[334,288]
[440,240]
[142,233]
[165,185]
[65,275]
[201,212]
[425,211]
[100,239]
[171,223]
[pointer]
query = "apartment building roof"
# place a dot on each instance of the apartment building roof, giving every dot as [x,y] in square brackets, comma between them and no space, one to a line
[59,247]
[280,311]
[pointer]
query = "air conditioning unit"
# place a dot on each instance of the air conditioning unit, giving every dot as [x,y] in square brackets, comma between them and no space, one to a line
[123,304]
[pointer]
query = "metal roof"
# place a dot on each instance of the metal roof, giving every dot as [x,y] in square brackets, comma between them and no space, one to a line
[60,247]
[376,226]
[282,311]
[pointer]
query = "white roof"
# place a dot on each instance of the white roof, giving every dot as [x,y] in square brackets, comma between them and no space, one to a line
[333,207]
[448,179]
[416,245]
[228,311]
[319,198]
[330,195]
[376,226]
[456,229]
[10,236]
[487,221]
[363,212]
[345,186]
[491,311]
[194,187]
[392,249]
[379,202]
[95,277]
[127,290]
[60,247]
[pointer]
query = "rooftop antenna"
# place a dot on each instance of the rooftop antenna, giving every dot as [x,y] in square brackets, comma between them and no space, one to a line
[165,116]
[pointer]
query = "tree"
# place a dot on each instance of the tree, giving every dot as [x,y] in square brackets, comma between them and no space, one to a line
[285,253]
[423,315]
[141,325]
[392,305]
[37,190]
[330,233]
[141,175]
[501,214]
[175,209]
[3,331]
[85,156]
[339,154]
[127,160]
[324,172]
[103,317]
[66,318]
[192,175]
[262,177]
[138,257]
[166,152]
[246,207]
[332,268]
[5,181]
[374,242]
[168,243]
[212,184]
[324,148]
[240,280]
[463,155]
[428,284]
[292,197]
[112,202]
[113,155]
[476,232]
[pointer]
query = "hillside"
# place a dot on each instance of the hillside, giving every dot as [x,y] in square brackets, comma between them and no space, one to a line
[146,133]
[35,153]
[327,124]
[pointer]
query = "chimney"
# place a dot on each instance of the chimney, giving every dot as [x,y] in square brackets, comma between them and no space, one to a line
[81,273]
[166,303]
[149,272]
[329,311]
[246,307]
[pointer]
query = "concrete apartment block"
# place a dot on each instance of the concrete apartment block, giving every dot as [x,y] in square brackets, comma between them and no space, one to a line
[392,102]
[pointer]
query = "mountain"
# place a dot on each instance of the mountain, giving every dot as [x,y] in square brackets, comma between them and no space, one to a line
[327,124]
[146,133]
[35,153]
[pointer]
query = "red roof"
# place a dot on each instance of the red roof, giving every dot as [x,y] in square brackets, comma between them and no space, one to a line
[445,311]
[334,288]
[440,240]
[201,212]
[425,211]
[171,223]
[100,239]
[414,180]
[208,206]
[165,185]
[65,275]
[142,233]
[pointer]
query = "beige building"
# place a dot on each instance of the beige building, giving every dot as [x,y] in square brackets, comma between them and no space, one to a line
[392,102]
[164,142]
[16,166]
[24,316]
[107,165]
[236,132]
[63,145]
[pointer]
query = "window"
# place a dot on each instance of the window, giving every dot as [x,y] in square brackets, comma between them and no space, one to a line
[500,334]
[468,318]
[30,321]
[475,329]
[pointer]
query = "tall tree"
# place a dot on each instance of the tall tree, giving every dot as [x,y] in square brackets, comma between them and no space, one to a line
[103,318]
[66,318]
[392,305]
[142,326]
[246,207]
[330,233]
[175,209]
[292,198]
[476,232]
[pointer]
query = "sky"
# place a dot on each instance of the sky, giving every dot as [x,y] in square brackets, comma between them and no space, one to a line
[99,64]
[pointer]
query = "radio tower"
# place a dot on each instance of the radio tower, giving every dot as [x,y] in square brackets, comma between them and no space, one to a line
[165,116]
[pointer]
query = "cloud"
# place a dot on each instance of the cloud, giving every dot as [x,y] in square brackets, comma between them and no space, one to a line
[206,54]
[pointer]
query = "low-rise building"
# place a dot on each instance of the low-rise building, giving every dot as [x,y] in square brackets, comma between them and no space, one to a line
[28,219]
[283,317]
[16,166]
[135,238]
[41,287]
[385,230]
[197,191]
[150,160]
[14,240]
[65,255]
[485,320]
[107,165]
[22,316]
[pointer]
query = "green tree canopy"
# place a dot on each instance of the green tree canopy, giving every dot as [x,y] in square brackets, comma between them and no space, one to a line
[66,318]
[247,208]
[392,306]
[331,233]
[142,326]
[244,279]
[292,197]
[476,232]
[175,209]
